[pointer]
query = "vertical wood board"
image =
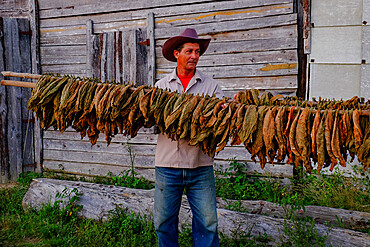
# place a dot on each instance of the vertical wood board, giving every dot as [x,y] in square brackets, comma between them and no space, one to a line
[13,63]
[36,69]
[4,152]
[28,155]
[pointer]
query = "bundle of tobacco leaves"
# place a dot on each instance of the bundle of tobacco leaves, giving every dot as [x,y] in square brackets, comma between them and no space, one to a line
[272,128]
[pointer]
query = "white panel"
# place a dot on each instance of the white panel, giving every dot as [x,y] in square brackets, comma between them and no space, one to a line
[366,11]
[365,81]
[366,43]
[336,44]
[336,12]
[335,81]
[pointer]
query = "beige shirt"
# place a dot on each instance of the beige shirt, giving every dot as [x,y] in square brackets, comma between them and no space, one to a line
[179,154]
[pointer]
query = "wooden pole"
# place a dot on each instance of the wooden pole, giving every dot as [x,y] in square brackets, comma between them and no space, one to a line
[18,83]
[34,76]
[21,75]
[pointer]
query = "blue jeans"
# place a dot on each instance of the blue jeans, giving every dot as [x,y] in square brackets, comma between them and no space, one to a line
[201,193]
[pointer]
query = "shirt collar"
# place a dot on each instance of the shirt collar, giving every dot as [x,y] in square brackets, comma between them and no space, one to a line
[198,76]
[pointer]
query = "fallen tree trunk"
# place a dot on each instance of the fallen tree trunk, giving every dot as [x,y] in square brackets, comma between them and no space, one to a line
[349,219]
[98,200]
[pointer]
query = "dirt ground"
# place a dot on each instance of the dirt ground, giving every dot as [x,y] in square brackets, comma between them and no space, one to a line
[9,185]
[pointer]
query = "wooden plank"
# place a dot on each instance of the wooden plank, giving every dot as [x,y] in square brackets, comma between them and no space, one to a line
[14,8]
[168,11]
[92,169]
[89,48]
[336,12]
[337,44]
[63,40]
[141,138]
[4,153]
[141,57]
[110,59]
[270,44]
[36,69]
[72,50]
[253,34]
[14,98]
[100,158]
[332,80]
[28,154]
[282,91]
[151,51]
[103,57]
[243,70]
[166,32]
[258,57]
[63,60]
[224,15]
[164,7]
[65,69]
[118,56]
[268,82]
[247,24]
[129,50]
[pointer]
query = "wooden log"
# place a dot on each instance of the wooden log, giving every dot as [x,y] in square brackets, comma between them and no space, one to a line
[18,83]
[97,200]
[355,220]
[21,75]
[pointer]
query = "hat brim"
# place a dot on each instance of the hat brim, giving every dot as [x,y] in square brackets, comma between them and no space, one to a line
[172,43]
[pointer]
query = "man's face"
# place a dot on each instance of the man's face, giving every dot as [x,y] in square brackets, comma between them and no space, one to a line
[188,57]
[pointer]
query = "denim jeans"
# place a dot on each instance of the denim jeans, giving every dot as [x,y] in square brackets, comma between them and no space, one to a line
[201,192]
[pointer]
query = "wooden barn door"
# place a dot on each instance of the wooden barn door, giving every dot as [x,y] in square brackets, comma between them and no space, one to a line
[123,56]
[16,122]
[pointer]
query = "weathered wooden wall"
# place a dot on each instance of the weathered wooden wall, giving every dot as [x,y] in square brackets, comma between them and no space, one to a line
[254,45]
[16,122]
[14,8]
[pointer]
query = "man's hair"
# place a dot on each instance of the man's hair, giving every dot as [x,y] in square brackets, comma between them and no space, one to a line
[179,48]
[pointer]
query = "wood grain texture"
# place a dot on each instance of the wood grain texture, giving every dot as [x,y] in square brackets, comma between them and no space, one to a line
[97,200]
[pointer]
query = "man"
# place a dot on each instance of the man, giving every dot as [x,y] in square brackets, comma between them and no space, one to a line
[180,166]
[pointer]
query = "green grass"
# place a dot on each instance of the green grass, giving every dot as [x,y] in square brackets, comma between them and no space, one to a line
[334,190]
[52,226]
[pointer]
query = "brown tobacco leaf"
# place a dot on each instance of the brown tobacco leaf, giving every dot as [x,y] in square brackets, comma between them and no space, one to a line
[286,133]
[249,124]
[232,127]
[176,112]
[257,137]
[224,128]
[240,112]
[315,128]
[293,141]
[328,136]
[194,129]
[350,140]
[280,137]
[268,131]
[335,141]
[357,128]
[144,103]
[185,117]
[303,138]
[216,110]
[320,142]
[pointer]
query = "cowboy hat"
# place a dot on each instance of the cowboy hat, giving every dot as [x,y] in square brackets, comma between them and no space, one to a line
[188,35]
